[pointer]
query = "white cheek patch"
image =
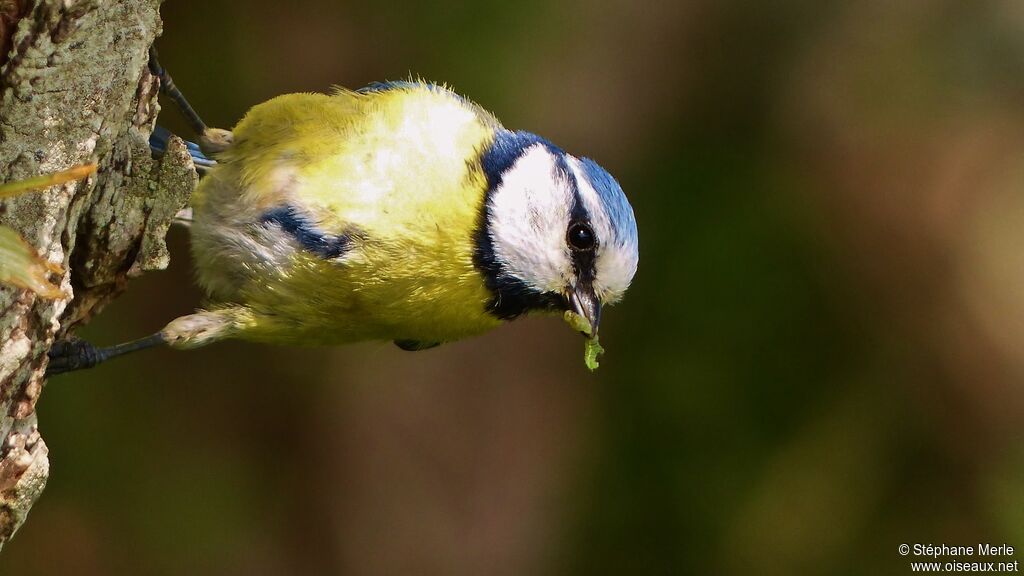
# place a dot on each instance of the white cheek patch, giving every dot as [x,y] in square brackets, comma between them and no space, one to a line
[616,254]
[528,216]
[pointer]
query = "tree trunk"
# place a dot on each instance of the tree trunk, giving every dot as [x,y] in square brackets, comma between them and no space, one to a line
[74,88]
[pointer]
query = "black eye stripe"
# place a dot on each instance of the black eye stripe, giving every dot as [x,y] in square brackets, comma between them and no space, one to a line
[580,235]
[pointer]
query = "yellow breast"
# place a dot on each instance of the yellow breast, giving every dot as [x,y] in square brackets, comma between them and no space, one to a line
[395,173]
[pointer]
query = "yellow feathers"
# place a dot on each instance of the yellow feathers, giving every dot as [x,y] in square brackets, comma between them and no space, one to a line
[345,217]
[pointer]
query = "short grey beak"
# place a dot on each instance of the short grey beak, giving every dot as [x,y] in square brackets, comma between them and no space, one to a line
[584,302]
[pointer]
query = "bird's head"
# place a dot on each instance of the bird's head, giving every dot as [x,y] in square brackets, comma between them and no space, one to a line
[557,231]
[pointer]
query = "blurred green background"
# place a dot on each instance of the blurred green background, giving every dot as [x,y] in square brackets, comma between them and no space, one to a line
[821,356]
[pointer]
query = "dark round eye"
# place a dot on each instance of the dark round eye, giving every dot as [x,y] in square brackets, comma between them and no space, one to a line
[581,237]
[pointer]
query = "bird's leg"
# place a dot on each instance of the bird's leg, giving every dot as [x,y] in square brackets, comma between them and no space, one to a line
[74,354]
[168,87]
[211,140]
[183,333]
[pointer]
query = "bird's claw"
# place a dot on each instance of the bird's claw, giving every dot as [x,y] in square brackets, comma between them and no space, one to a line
[70,355]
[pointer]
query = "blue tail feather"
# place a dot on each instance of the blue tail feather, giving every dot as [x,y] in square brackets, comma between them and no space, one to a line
[158,144]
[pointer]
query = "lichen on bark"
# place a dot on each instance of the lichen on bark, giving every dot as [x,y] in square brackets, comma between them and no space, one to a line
[74,88]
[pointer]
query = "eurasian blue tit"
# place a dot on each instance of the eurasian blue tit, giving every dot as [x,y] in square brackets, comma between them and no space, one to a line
[402,212]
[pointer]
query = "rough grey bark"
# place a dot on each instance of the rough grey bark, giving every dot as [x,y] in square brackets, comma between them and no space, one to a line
[74,88]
